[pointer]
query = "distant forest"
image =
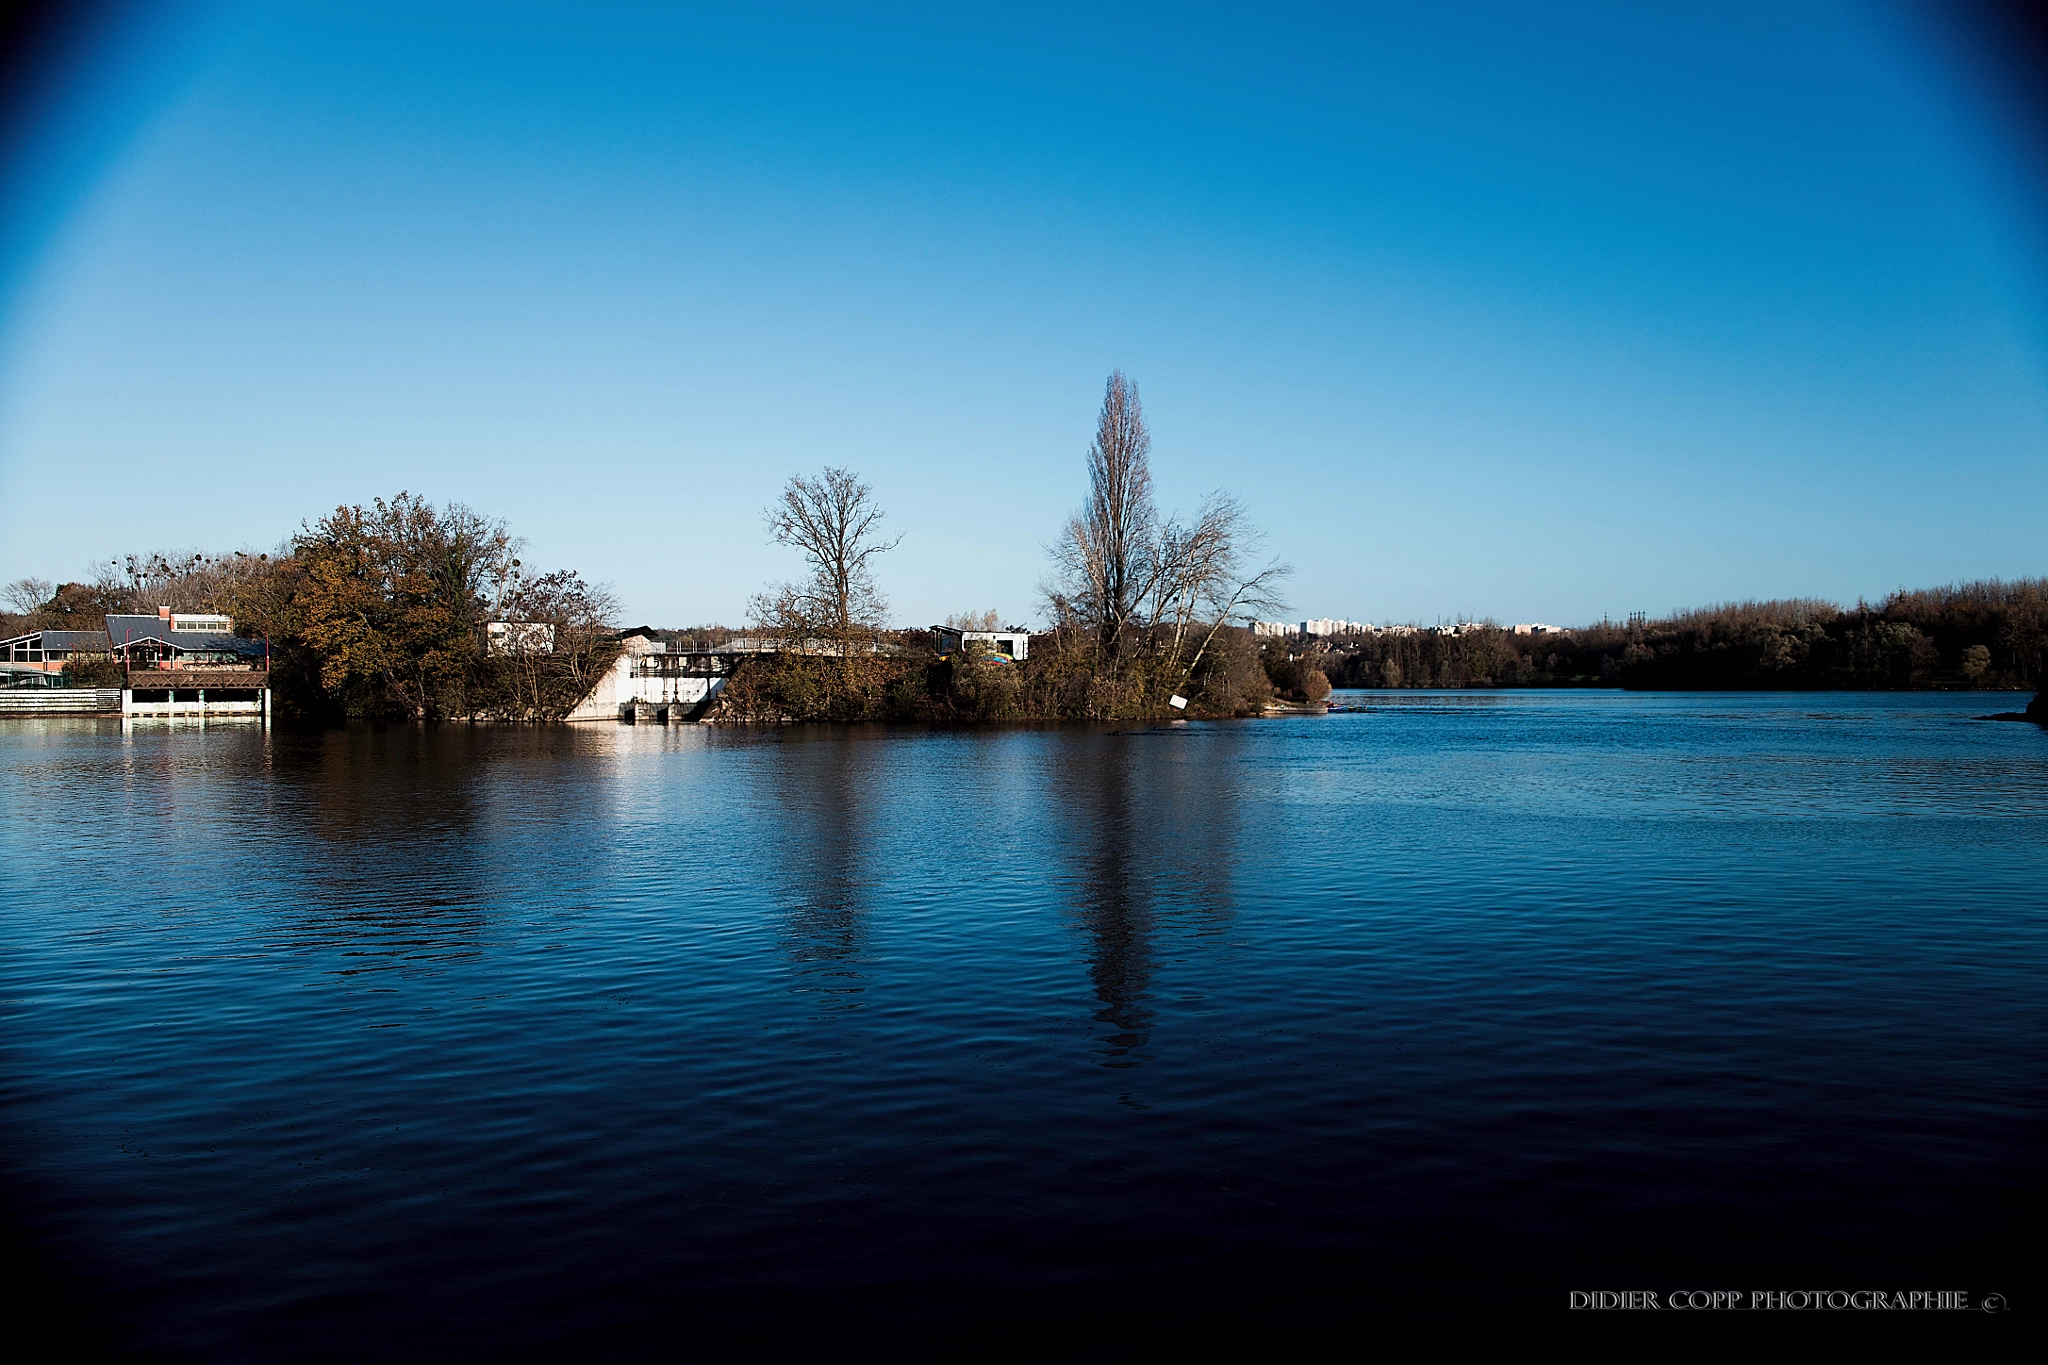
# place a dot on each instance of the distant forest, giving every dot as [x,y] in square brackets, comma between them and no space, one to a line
[1989,634]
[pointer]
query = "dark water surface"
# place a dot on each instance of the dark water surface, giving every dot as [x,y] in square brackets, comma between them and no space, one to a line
[470,1041]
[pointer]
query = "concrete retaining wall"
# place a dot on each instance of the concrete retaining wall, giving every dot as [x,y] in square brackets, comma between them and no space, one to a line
[60,701]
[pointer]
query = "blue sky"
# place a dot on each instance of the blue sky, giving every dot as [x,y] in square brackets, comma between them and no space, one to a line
[1531,312]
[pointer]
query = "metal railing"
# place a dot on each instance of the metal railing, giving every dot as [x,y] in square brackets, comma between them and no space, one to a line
[185,677]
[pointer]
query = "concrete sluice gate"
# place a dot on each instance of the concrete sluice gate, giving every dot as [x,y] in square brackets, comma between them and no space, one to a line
[648,685]
[657,713]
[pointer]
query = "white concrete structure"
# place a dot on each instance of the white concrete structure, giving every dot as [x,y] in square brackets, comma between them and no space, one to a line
[239,703]
[1329,626]
[646,675]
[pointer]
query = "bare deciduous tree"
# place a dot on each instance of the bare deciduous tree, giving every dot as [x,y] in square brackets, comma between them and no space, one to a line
[1103,559]
[832,521]
[183,580]
[1117,567]
[25,595]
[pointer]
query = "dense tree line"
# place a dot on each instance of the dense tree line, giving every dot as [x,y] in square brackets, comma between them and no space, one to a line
[1989,634]
[377,612]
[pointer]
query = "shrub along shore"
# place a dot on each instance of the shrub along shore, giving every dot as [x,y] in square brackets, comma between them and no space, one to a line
[1065,677]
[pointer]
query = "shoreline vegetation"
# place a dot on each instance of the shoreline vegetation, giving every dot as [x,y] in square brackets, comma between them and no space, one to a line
[383,613]
[1988,635]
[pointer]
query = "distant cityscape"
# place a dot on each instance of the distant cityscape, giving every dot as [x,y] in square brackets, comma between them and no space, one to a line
[1325,627]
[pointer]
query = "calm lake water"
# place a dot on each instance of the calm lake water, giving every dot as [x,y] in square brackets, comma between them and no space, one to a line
[420,1043]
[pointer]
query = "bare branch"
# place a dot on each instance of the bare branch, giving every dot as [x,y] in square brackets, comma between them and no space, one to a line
[25,595]
[1252,598]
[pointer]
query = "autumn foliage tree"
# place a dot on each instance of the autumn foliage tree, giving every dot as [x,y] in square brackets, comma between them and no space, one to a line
[394,601]
[382,612]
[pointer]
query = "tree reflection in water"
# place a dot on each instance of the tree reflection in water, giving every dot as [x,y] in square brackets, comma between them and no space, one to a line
[1152,834]
[372,799]
[1116,906]
[822,786]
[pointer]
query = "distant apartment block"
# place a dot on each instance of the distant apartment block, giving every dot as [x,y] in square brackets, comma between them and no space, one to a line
[1324,627]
